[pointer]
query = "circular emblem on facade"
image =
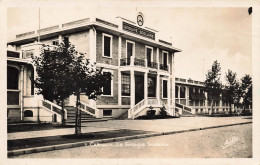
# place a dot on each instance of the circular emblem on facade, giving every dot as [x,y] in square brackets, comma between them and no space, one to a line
[140,19]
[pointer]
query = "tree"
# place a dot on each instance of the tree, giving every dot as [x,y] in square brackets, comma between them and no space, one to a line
[53,67]
[63,71]
[232,89]
[213,84]
[246,90]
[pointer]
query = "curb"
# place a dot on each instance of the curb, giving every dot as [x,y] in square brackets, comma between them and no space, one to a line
[89,143]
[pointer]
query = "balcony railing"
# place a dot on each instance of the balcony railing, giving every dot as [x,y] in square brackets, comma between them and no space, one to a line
[125,61]
[152,65]
[164,67]
[139,62]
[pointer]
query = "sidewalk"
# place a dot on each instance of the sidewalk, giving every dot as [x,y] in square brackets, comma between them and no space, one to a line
[145,128]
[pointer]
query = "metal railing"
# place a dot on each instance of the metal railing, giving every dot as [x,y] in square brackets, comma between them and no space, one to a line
[125,61]
[152,65]
[139,62]
[164,67]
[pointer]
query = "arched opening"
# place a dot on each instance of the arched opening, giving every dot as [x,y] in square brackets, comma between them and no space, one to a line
[12,86]
[28,113]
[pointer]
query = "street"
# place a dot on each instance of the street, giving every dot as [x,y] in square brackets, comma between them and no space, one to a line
[224,142]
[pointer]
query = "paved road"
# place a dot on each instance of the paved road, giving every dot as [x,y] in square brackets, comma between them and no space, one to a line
[162,125]
[225,142]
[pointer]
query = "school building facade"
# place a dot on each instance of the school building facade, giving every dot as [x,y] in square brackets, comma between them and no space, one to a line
[142,65]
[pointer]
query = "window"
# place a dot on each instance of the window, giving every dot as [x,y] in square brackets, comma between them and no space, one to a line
[108,88]
[164,88]
[28,54]
[165,58]
[182,92]
[149,54]
[107,112]
[151,87]
[130,49]
[107,45]
[176,92]
[55,42]
[66,41]
[125,81]
[12,78]
[28,113]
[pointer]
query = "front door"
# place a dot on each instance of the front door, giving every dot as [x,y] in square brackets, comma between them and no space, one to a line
[139,88]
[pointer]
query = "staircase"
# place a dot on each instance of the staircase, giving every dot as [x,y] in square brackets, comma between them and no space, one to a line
[85,117]
[186,110]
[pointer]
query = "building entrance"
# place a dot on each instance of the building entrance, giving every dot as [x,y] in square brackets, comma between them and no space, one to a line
[139,88]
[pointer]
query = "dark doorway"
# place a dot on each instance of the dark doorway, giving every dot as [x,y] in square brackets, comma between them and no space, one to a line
[139,88]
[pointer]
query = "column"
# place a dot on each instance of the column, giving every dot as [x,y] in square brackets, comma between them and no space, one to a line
[145,85]
[168,94]
[119,88]
[158,89]
[173,85]
[187,96]
[119,49]
[92,53]
[206,102]
[132,102]
[60,38]
[179,94]
[157,57]
[22,91]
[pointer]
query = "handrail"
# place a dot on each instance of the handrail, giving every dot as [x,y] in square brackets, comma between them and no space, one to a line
[54,107]
[184,107]
[139,105]
[88,109]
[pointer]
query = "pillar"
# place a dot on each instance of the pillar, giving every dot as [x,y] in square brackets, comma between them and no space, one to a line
[145,85]
[158,89]
[168,93]
[132,84]
[187,96]
[157,57]
[22,91]
[119,88]
[119,49]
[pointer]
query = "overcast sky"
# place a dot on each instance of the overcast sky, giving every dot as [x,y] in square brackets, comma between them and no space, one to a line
[203,34]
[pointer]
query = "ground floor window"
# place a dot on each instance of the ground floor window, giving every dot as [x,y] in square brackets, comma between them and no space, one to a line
[176,92]
[151,87]
[165,89]
[182,92]
[107,89]
[125,81]
[107,112]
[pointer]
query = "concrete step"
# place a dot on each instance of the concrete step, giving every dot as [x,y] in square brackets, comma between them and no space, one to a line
[86,120]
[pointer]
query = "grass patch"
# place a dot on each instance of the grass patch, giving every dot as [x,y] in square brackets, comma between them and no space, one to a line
[35,127]
[146,117]
[71,138]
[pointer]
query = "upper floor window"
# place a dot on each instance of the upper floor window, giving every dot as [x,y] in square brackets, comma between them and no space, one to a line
[108,87]
[149,54]
[28,53]
[107,45]
[55,42]
[165,58]
[164,89]
[130,49]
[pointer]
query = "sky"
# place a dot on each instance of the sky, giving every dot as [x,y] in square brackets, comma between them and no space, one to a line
[203,34]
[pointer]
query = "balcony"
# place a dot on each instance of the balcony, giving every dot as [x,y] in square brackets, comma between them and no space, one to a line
[152,65]
[164,67]
[142,63]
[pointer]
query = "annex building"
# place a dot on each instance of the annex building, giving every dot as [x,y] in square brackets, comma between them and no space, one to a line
[142,65]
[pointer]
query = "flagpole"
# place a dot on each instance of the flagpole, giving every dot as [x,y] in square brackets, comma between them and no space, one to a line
[39,25]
